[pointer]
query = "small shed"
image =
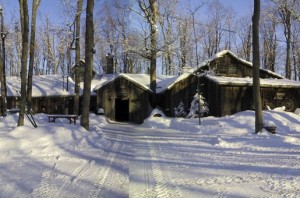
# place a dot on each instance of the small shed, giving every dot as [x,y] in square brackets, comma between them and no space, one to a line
[124,97]
[128,97]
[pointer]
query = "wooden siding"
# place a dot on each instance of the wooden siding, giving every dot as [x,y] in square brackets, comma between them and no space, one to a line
[228,65]
[183,90]
[49,105]
[235,99]
[123,89]
[227,99]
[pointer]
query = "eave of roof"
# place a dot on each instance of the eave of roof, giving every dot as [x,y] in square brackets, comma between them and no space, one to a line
[232,81]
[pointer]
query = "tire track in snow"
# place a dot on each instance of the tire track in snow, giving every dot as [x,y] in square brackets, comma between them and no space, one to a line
[104,170]
[79,172]
[154,173]
[142,181]
[164,187]
[47,188]
[56,184]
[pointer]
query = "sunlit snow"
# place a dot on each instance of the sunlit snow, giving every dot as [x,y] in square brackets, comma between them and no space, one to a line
[163,157]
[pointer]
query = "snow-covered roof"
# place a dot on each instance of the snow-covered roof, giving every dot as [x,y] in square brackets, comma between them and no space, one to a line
[44,85]
[268,82]
[225,52]
[98,81]
[143,80]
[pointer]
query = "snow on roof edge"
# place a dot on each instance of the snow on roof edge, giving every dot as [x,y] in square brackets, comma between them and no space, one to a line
[284,83]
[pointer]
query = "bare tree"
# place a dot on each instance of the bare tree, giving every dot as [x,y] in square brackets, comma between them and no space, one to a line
[151,14]
[2,67]
[185,49]
[244,31]
[48,47]
[111,29]
[168,9]
[256,68]
[193,11]
[77,56]
[218,24]
[35,5]
[25,32]
[89,53]
[269,33]
[121,23]
[287,13]
[296,51]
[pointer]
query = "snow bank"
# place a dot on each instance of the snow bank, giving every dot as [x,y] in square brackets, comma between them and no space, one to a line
[164,157]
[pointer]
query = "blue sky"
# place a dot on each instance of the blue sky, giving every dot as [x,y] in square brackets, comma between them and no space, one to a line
[51,7]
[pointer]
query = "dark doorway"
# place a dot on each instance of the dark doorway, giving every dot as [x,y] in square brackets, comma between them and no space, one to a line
[122,110]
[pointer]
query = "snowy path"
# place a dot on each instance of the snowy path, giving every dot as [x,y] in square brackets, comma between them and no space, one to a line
[119,160]
[168,163]
[94,177]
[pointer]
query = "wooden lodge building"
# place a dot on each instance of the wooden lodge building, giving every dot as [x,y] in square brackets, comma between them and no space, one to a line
[49,94]
[128,97]
[230,90]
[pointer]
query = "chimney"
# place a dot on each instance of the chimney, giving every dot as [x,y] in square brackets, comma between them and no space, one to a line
[110,64]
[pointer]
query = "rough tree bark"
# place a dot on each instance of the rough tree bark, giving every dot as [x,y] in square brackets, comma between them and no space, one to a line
[151,14]
[25,32]
[89,53]
[77,56]
[35,5]
[256,67]
[2,68]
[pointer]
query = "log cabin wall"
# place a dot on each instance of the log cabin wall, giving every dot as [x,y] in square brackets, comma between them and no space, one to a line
[230,66]
[124,100]
[183,90]
[229,99]
[47,104]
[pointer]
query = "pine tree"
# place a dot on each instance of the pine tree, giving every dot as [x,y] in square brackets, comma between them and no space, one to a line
[180,111]
[196,110]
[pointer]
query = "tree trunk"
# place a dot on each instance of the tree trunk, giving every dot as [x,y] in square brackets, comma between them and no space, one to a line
[248,51]
[25,31]
[151,14]
[2,68]
[89,53]
[77,57]
[153,38]
[35,5]
[288,70]
[256,67]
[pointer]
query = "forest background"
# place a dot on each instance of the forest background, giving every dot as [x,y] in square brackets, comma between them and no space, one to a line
[188,33]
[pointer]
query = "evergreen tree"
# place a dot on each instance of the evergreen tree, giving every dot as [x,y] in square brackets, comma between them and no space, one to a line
[180,111]
[199,107]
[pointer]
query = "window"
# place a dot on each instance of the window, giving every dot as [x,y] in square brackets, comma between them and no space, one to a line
[221,69]
[232,70]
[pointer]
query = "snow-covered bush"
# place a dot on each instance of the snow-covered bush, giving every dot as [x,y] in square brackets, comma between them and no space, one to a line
[194,110]
[180,111]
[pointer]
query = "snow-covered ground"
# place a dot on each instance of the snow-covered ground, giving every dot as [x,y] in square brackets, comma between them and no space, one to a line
[161,158]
